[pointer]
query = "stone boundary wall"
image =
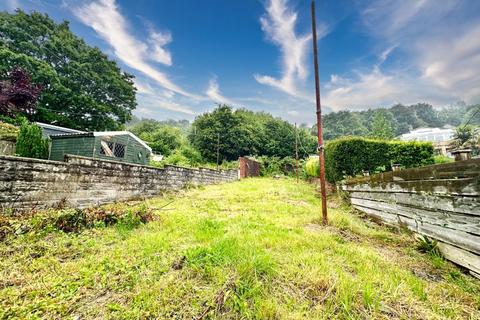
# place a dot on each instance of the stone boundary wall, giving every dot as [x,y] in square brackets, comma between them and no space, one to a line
[440,201]
[82,182]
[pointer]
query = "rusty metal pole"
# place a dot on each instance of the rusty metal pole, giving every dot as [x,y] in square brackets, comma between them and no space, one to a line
[296,147]
[319,119]
[218,148]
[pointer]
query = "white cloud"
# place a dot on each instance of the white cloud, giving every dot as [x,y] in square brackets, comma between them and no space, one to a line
[104,17]
[154,101]
[157,41]
[213,92]
[279,26]
[439,50]
[454,64]
[377,88]
[12,4]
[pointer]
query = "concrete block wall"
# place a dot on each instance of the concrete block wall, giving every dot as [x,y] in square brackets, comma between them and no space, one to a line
[82,182]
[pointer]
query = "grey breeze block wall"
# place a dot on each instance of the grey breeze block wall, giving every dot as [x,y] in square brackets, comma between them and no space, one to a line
[439,201]
[82,182]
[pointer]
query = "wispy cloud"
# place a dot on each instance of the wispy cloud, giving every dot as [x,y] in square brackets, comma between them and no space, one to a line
[157,41]
[453,64]
[278,25]
[440,56]
[12,4]
[213,92]
[105,18]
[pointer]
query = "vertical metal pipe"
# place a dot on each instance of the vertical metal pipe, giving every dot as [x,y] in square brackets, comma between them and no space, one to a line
[319,119]
[218,148]
[296,147]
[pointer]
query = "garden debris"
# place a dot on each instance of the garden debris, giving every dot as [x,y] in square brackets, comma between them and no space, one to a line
[178,264]
[219,300]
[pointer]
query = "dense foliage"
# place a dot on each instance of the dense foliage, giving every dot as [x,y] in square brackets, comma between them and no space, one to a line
[30,142]
[467,137]
[241,132]
[272,166]
[82,88]
[18,95]
[350,156]
[389,122]
[8,131]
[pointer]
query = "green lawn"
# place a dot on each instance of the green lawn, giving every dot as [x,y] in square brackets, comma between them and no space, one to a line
[246,250]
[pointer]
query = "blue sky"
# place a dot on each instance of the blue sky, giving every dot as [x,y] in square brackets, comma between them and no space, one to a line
[188,55]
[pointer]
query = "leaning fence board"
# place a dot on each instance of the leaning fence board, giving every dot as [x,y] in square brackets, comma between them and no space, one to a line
[461,257]
[439,201]
[455,204]
[470,224]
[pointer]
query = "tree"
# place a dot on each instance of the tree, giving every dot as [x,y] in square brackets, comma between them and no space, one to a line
[30,142]
[382,126]
[218,129]
[163,140]
[243,132]
[18,94]
[467,137]
[83,89]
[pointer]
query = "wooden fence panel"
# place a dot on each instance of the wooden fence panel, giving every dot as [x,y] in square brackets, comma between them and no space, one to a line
[439,201]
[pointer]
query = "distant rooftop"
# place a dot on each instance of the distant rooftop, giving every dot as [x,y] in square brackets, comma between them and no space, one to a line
[429,134]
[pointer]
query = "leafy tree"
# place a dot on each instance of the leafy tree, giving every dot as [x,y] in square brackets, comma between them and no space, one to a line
[342,123]
[382,126]
[467,137]
[83,89]
[219,129]
[163,140]
[18,94]
[244,132]
[30,142]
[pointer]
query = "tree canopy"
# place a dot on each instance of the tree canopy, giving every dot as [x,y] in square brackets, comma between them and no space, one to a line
[82,88]
[18,94]
[242,132]
[396,120]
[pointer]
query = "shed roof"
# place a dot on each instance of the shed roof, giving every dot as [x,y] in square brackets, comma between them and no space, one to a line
[102,134]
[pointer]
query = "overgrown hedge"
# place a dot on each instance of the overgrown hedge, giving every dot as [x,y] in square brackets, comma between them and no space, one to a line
[271,166]
[8,132]
[349,156]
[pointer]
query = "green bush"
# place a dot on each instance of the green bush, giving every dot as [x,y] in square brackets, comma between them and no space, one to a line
[351,155]
[312,169]
[30,143]
[271,166]
[438,159]
[8,132]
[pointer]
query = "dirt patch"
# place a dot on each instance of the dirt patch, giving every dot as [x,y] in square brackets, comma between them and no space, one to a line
[179,263]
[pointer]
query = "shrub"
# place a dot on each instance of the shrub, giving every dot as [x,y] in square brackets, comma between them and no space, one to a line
[270,166]
[8,132]
[438,159]
[351,155]
[30,143]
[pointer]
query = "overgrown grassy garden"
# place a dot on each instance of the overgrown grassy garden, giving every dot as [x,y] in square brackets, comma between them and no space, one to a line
[246,250]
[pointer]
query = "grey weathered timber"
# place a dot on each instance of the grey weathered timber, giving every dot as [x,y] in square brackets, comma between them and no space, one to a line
[439,201]
[83,182]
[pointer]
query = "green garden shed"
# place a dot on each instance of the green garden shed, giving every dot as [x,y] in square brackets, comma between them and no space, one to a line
[120,146]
